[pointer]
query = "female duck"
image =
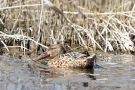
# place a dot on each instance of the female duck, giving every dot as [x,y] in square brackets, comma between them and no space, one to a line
[61,59]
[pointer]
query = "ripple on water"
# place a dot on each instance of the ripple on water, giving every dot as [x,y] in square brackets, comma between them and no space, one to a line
[15,74]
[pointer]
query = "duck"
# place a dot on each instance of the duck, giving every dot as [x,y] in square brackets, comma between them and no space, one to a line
[59,58]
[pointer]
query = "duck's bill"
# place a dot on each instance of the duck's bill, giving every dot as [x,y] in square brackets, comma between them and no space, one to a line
[42,56]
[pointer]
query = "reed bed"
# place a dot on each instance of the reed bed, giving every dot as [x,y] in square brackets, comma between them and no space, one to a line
[106,25]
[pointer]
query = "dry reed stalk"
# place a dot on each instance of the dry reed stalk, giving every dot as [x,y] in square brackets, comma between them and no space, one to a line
[89,23]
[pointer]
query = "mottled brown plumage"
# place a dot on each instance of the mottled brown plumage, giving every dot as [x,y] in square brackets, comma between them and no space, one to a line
[61,59]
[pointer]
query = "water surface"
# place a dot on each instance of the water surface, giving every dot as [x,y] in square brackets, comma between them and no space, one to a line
[118,73]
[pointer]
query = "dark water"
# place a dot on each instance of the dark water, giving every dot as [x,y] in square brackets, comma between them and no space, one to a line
[21,74]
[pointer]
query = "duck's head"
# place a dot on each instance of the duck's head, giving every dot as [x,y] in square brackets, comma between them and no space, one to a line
[56,50]
[53,51]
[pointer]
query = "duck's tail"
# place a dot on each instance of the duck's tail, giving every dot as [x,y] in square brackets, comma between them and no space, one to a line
[91,61]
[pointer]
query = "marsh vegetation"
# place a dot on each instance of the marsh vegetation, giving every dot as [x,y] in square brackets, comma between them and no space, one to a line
[32,25]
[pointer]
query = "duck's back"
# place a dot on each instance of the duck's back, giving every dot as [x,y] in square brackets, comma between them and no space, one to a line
[73,59]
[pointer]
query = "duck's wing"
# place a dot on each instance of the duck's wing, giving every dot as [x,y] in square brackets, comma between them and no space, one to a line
[78,55]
